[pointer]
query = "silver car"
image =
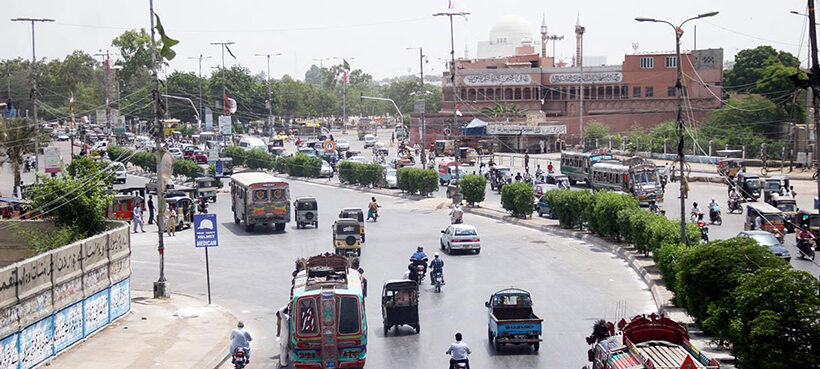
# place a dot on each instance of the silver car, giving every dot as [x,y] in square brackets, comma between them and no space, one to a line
[326,171]
[391,178]
[342,145]
[460,237]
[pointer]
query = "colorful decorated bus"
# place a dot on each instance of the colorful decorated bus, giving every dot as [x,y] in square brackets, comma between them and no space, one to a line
[578,165]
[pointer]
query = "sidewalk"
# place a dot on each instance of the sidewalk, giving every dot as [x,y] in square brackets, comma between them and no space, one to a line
[180,332]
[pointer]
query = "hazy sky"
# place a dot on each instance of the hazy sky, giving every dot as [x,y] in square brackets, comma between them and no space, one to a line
[376,33]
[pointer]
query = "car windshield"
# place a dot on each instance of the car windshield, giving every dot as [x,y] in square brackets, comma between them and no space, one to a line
[306,205]
[786,207]
[390,172]
[753,183]
[772,185]
[340,141]
[765,239]
[465,232]
[347,229]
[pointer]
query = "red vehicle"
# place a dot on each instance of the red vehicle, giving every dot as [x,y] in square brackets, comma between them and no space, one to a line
[122,207]
[201,157]
[645,342]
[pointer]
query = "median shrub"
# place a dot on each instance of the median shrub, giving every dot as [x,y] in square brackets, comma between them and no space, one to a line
[187,168]
[570,206]
[473,188]
[299,165]
[417,180]
[603,218]
[259,159]
[119,153]
[147,161]
[517,198]
[236,153]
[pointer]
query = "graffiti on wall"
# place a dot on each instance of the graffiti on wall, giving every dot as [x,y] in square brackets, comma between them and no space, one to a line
[35,307]
[68,292]
[96,311]
[118,243]
[34,275]
[120,298]
[589,78]
[68,326]
[497,80]
[8,352]
[95,279]
[36,343]
[120,269]
[8,321]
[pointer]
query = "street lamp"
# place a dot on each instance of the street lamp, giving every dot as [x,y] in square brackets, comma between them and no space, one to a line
[422,123]
[270,100]
[200,57]
[680,128]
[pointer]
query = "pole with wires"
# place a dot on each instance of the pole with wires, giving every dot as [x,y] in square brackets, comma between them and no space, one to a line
[815,85]
[270,98]
[161,285]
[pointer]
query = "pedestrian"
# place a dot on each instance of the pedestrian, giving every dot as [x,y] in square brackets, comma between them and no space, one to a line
[758,223]
[136,217]
[283,334]
[150,209]
[171,221]
[791,190]
[542,145]
[526,160]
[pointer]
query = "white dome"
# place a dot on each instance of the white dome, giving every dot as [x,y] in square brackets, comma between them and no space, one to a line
[511,24]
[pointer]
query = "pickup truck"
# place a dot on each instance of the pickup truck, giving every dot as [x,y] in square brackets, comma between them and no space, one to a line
[511,319]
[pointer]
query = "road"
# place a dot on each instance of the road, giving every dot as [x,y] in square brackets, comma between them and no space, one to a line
[573,283]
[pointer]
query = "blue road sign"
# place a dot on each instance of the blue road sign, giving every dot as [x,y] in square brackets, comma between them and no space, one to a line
[219,168]
[205,230]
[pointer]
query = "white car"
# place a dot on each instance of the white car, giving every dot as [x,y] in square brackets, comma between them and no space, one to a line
[175,152]
[327,170]
[359,159]
[369,140]
[120,174]
[342,145]
[460,237]
[100,146]
[63,137]
[391,178]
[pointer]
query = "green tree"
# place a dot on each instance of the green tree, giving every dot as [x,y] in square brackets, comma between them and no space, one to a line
[518,198]
[184,85]
[16,140]
[473,186]
[750,67]
[746,120]
[187,168]
[596,131]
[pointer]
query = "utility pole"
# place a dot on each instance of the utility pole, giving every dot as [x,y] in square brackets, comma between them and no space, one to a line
[457,194]
[579,32]
[34,92]
[223,45]
[200,86]
[160,286]
[8,80]
[815,85]
[270,98]
[107,87]
[679,87]
[422,95]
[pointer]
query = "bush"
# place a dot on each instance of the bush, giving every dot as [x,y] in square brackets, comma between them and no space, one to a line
[570,206]
[417,180]
[517,197]
[258,159]
[187,168]
[119,153]
[667,258]
[603,219]
[145,160]
[368,174]
[236,153]
[299,165]
[473,187]
[345,171]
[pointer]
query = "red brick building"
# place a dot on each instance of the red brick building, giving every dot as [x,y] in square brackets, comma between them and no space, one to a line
[638,93]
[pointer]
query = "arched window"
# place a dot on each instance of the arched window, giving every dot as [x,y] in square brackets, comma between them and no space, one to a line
[527,94]
[490,94]
[508,94]
[517,94]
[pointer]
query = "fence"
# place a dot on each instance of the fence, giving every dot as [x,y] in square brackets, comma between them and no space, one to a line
[51,301]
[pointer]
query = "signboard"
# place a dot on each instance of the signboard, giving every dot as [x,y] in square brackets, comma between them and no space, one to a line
[205,230]
[101,116]
[219,168]
[329,146]
[526,130]
[213,153]
[589,78]
[52,159]
[225,124]
[802,157]
[209,119]
[498,80]
[419,106]
[119,127]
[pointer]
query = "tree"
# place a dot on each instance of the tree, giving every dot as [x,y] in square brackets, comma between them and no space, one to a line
[776,321]
[187,168]
[185,85]
[16,140]
[596,132]
[135,48]
[517,198]
[746,120]
[473,186]
[750,68]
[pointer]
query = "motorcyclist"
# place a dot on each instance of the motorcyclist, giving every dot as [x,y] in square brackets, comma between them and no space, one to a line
[550,168]
[713,209]
[456,215]
[538,171]
[436,265]
[203,204]
[240,338]
[419,254]
[805,234]
[372,209]
[459,351]
[518,177]
[653,207]
[695,211]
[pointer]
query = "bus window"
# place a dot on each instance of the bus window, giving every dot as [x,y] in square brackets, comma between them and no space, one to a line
[307,316]
[348,308]
[260,195]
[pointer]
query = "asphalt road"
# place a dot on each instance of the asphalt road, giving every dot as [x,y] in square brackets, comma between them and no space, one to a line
[572,283]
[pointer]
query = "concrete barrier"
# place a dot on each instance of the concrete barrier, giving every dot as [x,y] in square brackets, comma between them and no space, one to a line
[53,300]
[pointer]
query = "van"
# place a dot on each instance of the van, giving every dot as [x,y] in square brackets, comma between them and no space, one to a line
[249,143]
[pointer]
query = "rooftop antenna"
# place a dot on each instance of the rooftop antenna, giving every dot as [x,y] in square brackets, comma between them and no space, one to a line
[635,47]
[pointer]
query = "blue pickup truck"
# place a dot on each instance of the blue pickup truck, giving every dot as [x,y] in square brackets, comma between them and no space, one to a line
[511,319]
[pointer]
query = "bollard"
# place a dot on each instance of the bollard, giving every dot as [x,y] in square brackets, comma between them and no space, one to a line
[609,146]
[665,146]
[710,147]
[743,151]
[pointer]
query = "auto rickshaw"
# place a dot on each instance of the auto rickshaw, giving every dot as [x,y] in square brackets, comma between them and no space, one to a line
[729,167]
[187,205]
[787,205]
[771,219]
[347,239]
[356,214]
[809,219]
[122,207]
[306,212]
[400,304]
[500,176]
[444,147]
[749,185]
[486,147]
[206,187]
[467,155]
[561,180]
[774,184]
[13,208]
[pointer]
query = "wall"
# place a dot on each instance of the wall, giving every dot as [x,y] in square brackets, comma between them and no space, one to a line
[51,301]
[13,247]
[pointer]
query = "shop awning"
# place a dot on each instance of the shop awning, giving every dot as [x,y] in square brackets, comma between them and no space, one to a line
[476,127]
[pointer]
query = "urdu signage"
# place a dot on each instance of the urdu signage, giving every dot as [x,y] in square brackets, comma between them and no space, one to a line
[526,130]
[497,79]
[591,78]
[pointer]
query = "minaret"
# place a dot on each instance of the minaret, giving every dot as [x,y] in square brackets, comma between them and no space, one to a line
[466,51]
[579,41]
[543,36]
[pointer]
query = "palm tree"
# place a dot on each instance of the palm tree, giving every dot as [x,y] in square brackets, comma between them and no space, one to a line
[16,140]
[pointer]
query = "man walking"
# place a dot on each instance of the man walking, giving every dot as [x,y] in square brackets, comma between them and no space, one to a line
[527,160]
[171,221]
[136,218]
[150,210]
[283,334]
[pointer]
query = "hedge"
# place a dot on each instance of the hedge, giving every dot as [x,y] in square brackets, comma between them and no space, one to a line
[473,187]
[517,198]
[417,180]
[145,160]
[259,159]
[603,218]
[236,153]
[299,165]
[362,174]
[187,168]
[570,206]
[119,153]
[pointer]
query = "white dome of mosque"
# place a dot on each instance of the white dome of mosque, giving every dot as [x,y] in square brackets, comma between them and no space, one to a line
[511,24]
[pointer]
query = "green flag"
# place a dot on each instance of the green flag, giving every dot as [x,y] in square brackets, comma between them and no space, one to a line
[345,64]
[167,42]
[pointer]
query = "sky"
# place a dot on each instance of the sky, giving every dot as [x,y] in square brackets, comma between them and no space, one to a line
[374,35]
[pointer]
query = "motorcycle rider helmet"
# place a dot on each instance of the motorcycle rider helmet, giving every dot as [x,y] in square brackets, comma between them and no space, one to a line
[420,249]
[435,255]
[695,204]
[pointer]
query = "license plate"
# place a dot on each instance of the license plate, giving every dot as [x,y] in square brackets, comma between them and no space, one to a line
[330,365]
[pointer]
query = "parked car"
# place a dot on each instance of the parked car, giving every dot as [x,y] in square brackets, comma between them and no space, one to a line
[120,174]
[765,238]
[175,152]
[369,140]
[62,137]
[460,237]
[151,186]
[391,178]
[200,157]
[359,159]
[342,145]
[327,170]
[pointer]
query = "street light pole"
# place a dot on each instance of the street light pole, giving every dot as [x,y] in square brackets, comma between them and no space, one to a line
[679,87]
[226,109]
[200,85]
[457,194]
[34,93]
[422,95]
[815,84]
[270,99]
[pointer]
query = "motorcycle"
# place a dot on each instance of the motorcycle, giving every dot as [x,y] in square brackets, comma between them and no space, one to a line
[734,205]
[805,248]
[240,358]
[704,231]
[203,208]
[373,213]
[714,215]
[438,280]
[420,268]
